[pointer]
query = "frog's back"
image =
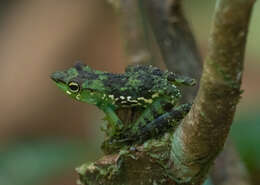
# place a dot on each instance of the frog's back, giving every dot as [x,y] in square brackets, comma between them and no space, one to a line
[139,86]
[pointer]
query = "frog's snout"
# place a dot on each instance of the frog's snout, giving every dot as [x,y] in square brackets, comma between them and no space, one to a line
[58,76]
[54,77]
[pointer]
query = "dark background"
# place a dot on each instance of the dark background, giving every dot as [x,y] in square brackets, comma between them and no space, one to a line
[44,135]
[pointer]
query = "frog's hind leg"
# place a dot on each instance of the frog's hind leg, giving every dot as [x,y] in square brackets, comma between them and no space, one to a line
[158,107]
[150,113]
[161,124]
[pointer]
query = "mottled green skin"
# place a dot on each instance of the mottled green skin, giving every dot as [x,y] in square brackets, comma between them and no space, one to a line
[153,90]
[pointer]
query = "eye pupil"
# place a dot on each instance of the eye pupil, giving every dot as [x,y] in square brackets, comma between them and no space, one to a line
[74,87]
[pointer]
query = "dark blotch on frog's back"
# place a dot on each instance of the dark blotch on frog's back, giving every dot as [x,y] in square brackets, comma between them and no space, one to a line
[114,83]
[79,66]
[149,69]
[84,74]
[136,82]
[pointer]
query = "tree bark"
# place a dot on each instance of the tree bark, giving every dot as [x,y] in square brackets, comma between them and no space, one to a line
[202,134]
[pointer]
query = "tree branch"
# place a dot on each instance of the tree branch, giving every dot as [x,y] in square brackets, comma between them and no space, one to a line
[203,132]
[175,40]
[133,32]
[147,164]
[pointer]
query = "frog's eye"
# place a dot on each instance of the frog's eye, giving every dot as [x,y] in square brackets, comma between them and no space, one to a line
[74,87]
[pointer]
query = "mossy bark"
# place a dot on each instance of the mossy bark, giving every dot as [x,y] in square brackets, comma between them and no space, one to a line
[147,164]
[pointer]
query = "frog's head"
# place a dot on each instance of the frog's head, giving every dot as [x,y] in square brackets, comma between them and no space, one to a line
[81,83]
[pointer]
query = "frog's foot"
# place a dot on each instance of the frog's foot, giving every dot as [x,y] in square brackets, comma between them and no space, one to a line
[115,143]
[180,80]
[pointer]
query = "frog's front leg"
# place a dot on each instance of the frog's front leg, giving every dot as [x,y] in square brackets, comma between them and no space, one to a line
[113,119]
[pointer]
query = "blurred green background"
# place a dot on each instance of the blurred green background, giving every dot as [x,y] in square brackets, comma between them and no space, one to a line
[44,135]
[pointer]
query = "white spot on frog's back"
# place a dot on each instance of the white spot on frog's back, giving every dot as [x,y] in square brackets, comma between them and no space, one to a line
[122,97]
[132,101]
[111,96]
[68,92]
[155,95]
[145,100]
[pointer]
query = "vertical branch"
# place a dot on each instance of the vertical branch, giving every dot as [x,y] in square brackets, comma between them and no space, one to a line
[175,40]
[203,132]
[133,32]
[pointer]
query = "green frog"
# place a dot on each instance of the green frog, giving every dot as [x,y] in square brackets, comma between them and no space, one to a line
[148,89]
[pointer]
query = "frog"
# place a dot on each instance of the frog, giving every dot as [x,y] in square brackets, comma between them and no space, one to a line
[154,92]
